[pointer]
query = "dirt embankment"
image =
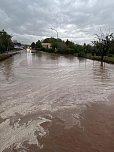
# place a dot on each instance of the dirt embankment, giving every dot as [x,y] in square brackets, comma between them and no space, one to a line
[5,56]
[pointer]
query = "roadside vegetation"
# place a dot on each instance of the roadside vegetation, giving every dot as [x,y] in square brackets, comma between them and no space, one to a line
[102,49]
[6,45]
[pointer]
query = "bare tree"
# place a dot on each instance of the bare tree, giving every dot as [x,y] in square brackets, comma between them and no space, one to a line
[103,43]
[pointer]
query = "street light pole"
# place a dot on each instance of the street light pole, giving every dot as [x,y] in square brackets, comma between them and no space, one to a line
[55,31]
[56,49]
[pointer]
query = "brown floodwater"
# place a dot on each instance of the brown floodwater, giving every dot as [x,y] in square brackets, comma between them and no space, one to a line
[55,103]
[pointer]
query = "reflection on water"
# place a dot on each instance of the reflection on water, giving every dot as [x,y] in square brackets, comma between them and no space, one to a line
[6,68]
[29,58]
[101,73]
[47,100]
[81,60]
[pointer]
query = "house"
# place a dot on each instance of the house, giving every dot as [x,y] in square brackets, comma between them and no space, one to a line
[46,45]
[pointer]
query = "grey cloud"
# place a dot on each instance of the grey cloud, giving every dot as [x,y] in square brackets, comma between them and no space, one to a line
[76,20]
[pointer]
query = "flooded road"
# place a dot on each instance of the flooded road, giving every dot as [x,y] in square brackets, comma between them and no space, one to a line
[54,103]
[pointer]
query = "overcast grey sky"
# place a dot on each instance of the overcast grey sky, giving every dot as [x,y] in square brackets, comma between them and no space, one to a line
[77,20]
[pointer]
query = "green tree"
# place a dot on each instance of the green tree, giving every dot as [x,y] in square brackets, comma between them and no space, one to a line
[33,45]
[38,44]
[54,45]
[6,43]
[111,50]
[70,44]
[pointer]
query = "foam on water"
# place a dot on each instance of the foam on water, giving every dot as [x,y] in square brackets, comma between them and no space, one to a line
[47,85]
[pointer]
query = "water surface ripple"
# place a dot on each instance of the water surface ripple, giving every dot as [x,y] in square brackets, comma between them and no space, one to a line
[39,90]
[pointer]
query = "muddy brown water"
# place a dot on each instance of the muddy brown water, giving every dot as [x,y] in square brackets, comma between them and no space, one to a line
[54,103]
